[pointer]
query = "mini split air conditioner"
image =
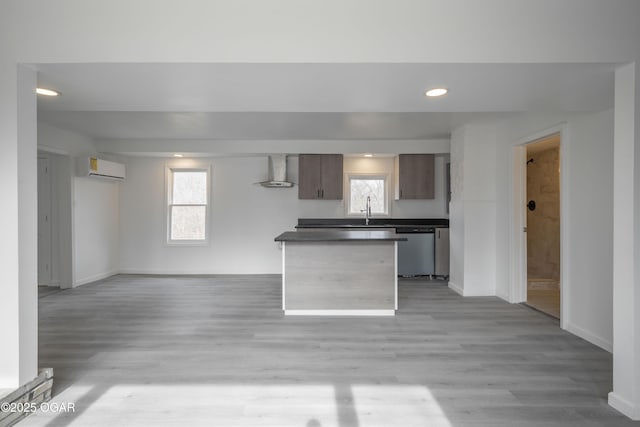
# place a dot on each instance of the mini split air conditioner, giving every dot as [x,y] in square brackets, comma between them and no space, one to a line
[98,168]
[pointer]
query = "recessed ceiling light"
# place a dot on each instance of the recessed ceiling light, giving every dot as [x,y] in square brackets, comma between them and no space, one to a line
[439,91]
[368,155]
[46,92]
[178,155]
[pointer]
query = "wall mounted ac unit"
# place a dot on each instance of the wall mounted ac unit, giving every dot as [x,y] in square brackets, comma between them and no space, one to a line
[98,168]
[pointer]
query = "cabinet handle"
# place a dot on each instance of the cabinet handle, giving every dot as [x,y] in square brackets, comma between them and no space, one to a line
[322,192]
[318,194]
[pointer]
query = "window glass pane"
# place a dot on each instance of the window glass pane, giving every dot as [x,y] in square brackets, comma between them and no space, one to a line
[189,188]
[360,188]
[188,222]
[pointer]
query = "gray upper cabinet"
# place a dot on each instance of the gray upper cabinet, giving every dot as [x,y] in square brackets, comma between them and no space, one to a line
[320,176]
[415,177]
[331,176]
[309,176]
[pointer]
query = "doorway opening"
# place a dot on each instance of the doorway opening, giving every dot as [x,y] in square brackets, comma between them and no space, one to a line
[45,230]
[543,225]
[55,217]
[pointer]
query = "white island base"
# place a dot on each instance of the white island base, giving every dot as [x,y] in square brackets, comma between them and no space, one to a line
[340,278]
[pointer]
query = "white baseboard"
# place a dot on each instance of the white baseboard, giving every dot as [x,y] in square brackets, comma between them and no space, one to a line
[456,288]
[503,296]
[588,336]
[53,283]
[481,294]
[627,408]
[461,291]
[94,278]
[101,276]
[155,272]
[339,312]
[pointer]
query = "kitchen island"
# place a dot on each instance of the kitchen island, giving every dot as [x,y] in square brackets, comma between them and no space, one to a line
[348,273]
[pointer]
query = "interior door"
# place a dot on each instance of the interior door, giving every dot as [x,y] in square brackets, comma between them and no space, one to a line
[44,222]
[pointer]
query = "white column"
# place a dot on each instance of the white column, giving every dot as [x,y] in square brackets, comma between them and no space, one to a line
[9,320]
[456,212]
[636,253]
[28,222]
[473,210]
[18,246]
[65,181]
[626,245]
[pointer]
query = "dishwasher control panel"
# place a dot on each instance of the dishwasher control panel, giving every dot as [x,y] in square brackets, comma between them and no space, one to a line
[404,230]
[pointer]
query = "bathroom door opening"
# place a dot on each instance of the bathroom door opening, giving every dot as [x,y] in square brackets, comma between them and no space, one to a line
[542,225]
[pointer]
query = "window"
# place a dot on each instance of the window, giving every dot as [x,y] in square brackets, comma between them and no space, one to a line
[363,186]
[188,205]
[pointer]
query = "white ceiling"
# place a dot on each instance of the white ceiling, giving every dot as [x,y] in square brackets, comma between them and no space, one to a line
[307,101]
[253,125]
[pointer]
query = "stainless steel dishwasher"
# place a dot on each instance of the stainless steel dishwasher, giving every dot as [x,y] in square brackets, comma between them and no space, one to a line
[416,256]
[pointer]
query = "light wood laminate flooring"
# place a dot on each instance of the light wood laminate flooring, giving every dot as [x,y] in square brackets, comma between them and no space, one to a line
[45,291]
[217,351]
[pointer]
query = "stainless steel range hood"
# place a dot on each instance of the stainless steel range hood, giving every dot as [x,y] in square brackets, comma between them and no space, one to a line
[277,170]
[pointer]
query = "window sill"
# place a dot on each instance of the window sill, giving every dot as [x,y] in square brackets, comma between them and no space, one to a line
[352,215]
[187,243]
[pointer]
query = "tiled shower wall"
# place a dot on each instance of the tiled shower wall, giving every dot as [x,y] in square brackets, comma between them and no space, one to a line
[543,224]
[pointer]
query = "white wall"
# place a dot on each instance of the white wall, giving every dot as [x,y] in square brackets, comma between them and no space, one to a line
[245,219]
[626,249]
[588,149]
[634,284]
[152,147]
[96,229]
[591,203]
[86,223]
[481,262]
[62,141]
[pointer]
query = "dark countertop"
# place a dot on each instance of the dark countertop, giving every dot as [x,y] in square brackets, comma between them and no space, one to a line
[359,226]
[373,223]
[338,236]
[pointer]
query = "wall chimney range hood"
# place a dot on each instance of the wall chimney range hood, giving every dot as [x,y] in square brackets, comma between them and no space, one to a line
[277,170]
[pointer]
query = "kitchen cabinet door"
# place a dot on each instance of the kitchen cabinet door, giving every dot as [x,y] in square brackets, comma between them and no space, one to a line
[442,252]
[415,176]
[331,177]
[320,176]
[309,176]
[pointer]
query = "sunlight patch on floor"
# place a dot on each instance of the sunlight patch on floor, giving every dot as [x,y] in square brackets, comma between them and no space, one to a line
[339,405]
[397,405]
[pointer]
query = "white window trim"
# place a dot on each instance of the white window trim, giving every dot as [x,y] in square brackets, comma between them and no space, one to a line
[191,167]
[347,191]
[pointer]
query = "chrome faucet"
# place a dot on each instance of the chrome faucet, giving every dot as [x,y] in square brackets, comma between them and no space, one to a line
[367,211]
